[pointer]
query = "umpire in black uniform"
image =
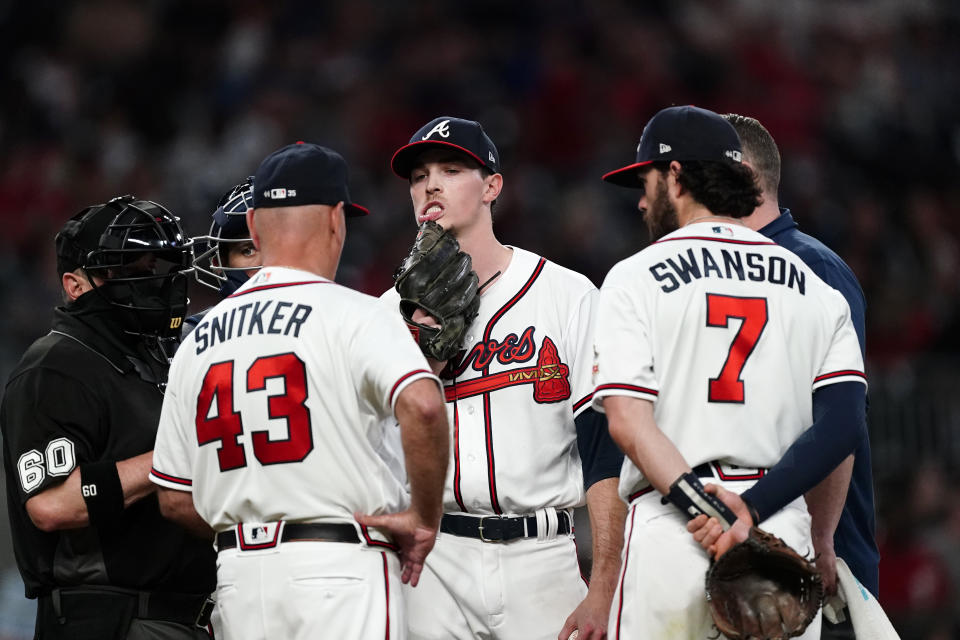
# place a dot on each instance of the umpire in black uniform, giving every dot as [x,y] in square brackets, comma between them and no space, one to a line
[79,419]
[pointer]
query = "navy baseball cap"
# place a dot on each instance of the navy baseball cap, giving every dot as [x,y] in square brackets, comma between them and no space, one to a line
[681,133]
[303,173]
[466,136]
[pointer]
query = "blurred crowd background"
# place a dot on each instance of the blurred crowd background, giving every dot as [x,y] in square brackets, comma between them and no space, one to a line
[178,100]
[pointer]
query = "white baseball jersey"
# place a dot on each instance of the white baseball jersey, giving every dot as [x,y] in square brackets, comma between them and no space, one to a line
[512,402]
[276,404]
[728,334]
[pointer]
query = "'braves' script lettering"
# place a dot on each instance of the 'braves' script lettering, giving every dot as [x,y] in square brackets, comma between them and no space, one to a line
[511,349]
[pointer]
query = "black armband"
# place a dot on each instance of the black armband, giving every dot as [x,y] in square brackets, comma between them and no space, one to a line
[599,455]
[688,495]
[102,491]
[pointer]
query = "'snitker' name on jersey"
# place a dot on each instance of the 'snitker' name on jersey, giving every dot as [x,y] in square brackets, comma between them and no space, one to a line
[251,319]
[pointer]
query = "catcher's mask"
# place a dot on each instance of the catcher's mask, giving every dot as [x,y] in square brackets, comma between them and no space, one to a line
[228,227]
[138,262]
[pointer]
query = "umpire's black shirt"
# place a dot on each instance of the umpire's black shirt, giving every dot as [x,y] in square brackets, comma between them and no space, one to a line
[87,392]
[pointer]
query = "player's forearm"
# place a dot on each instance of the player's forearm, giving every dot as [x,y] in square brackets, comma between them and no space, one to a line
[178,506]
[635,431]
[64,506]
[825,501]
[425,436]
[59,507]
[135,478]
[607,515]
[426,459]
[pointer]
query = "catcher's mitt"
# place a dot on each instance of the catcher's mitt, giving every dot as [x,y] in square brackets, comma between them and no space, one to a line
[439,279]
[762,588]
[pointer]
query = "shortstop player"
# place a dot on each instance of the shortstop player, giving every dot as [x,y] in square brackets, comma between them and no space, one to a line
[717,350]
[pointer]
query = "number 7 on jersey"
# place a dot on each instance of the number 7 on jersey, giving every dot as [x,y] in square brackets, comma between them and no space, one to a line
[728,386]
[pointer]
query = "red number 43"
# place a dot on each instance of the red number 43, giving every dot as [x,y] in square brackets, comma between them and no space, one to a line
[728,386]
[227,425]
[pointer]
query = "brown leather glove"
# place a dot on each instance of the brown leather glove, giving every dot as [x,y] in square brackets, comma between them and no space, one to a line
[762,588]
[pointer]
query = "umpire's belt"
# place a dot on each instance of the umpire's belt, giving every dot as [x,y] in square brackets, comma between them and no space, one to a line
[498,528]
[73,603]
[304,532]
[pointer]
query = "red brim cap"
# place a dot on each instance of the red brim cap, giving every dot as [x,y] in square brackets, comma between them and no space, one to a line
[627,176]
[446,132]
[355,210]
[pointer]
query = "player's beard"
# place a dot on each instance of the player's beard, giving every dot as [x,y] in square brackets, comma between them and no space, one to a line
[661,215]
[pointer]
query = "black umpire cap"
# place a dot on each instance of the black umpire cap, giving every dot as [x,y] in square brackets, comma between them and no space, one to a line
[80,236]
[466,136]
[681,133]
[300,174]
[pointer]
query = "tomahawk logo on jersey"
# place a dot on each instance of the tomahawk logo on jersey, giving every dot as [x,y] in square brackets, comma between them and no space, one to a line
[729,301]
[512,378]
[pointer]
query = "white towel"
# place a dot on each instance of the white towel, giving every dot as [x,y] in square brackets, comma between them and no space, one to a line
[866,615]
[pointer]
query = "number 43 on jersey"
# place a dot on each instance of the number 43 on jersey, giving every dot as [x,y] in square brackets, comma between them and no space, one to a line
[226,425]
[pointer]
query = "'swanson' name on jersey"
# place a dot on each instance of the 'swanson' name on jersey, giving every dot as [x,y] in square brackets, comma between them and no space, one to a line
[729,264]
[253,318]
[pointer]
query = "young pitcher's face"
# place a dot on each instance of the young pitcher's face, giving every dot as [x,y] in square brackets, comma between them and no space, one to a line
[449,189]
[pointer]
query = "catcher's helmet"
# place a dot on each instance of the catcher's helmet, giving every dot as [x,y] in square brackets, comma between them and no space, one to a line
[137,258]
[229,226]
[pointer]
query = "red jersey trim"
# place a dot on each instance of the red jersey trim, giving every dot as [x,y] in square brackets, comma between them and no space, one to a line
[456,459]
[623,572]
[386,590]
[491,464]
[269,544]
[582,401]
[186,482]
[723,475]
[396,384]
[840,374]
[642,492]
[709,239]
[278,285]
[626,387]
[372,542]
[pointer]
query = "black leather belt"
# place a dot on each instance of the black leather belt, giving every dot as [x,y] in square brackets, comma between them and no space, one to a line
[711,470]
[295,531]
[498,528]
[716,471]
[703,470]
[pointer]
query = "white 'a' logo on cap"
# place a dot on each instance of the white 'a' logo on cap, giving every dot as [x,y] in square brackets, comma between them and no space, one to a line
[664,148]
[442,128]
[490,156]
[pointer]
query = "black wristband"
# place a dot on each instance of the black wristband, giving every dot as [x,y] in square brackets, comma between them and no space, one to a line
[688,495]
[102,491]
